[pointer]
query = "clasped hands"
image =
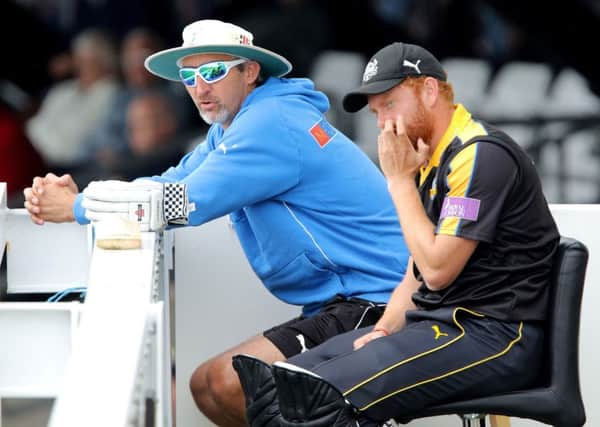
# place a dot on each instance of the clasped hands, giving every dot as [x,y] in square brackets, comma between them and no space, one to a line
[51,198]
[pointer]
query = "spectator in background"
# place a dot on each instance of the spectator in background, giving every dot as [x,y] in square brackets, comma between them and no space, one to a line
[108,141]
[152,124]
[71,109]
[153,142]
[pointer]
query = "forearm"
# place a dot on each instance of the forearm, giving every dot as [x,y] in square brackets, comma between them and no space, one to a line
[439,257]
[419,231]
[393,319]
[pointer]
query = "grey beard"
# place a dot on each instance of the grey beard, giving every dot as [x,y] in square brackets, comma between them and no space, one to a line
[221,117]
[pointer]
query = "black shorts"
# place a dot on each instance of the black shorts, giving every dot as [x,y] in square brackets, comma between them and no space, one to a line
[337,316]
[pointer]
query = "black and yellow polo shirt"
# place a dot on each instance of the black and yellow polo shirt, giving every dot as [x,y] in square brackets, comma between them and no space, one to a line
[480,185]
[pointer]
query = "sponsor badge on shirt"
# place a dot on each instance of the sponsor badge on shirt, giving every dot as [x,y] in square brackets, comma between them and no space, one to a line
[460,207]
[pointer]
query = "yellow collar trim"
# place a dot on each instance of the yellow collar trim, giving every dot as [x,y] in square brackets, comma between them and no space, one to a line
[460,118]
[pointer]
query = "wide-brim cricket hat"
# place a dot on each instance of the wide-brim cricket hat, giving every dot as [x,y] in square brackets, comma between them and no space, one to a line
[214,36]
[388,68]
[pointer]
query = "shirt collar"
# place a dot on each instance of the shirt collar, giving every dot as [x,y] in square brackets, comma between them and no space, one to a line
[460,118]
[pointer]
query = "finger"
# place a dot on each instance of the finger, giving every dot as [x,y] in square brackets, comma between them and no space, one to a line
[65,180]
[388,126]
[37,220]
[51,177]
[381,149]
[68,181]
[358,343]
[32,209]
[422,150]
[400,128]
[361,341]
[29,196]
[28,193]
[38,185]
[377,334]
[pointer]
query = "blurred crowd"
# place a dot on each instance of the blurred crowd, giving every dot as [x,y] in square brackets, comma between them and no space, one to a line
[75,96]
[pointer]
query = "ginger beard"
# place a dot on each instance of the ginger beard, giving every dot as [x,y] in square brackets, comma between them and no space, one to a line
[420,125]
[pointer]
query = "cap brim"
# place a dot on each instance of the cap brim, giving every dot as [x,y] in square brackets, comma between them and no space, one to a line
[164,63]
[357,99]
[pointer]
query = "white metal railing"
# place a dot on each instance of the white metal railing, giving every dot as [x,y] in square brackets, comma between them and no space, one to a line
[107,361]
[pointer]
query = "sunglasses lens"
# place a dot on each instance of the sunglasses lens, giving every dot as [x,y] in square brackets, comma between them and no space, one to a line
[210,73]
[188,76]
[213,71]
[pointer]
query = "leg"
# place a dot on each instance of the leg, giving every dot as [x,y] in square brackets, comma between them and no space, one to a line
[220,398]
[215,385]
[430,360]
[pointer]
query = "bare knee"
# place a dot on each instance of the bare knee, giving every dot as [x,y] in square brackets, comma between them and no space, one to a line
[199,384]
[216,387]
[215,382]
[224,385]
[214,392]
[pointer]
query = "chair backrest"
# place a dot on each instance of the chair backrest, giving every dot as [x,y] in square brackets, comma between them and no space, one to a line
[568,278]
[518,90]
[558,400]
[570,95]
[337,71]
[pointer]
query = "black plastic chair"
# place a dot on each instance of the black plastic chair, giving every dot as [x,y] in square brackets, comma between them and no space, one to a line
[557,401]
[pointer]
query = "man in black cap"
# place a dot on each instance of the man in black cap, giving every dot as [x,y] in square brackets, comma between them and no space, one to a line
[468,318]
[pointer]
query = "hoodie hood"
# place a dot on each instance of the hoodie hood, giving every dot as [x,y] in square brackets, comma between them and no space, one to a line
[300,88]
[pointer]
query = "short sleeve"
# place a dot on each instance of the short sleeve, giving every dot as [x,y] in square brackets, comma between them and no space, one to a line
[479,179]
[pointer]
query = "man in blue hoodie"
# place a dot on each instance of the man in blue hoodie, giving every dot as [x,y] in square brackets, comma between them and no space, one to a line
[311,211]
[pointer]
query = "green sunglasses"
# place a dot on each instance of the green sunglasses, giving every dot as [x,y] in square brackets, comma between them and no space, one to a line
[211,72]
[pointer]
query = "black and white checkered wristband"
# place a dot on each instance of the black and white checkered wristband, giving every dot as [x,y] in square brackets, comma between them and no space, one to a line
[175,203]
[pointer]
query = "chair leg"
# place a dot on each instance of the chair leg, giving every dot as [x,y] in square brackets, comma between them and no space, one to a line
[499,421]
[473,420]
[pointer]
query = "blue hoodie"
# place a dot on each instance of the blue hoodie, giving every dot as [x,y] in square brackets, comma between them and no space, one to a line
[311,211]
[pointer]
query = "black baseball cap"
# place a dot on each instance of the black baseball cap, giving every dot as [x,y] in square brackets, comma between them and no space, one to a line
[389,67]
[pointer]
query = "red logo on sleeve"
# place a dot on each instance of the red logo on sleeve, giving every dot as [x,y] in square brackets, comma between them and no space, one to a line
[322,132]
